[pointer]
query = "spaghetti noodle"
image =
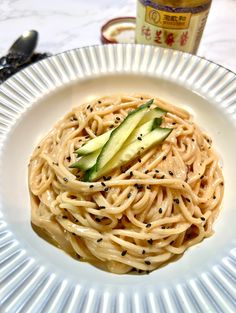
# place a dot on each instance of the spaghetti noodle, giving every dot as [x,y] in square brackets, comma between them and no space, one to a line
[141,215]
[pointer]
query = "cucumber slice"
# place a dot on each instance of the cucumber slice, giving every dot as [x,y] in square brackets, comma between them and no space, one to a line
[150,115]
[120,134]
[143,130]
[86,161]
[94,144]
[130,152]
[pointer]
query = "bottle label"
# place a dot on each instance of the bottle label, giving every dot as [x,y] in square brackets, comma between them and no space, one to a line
[176,28]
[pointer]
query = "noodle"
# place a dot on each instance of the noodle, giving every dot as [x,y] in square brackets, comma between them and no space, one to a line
[141,215]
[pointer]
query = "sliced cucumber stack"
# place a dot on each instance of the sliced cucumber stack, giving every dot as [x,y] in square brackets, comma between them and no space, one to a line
[130,152]
[139,131]
[89,160]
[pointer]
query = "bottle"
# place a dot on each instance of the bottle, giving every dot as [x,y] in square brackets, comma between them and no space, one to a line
[175,24]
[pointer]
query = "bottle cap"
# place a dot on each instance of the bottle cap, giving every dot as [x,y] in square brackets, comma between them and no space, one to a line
[119,30]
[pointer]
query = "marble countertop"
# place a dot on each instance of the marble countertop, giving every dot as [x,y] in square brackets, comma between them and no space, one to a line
[64,25]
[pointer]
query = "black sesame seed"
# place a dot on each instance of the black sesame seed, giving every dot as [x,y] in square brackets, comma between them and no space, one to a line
[111,126]
[154,176]
[203,218]
[141,98]
[123,253]
[74,234]
[139,160]
[91,186]
[160,210]
[106,189]
[148,225]
[65,179]
[176,201]
[99,101]
[143,252]
[99,240]
[139,187]
[38,147]
[129,195]
[148,262]
[148,187]
[87,137]
[68,158]
[91,109]
[173,123]
[163,227]
[88,107]
[202,177]
[162,177]
[193,140]
[157,171]
[139,138]
[187,199]
[118,118]
[164,157]
[146,171]
[214,197]
[65,217]
[130,173]
[150,241]
[171,173]
[103,184]
[101,207]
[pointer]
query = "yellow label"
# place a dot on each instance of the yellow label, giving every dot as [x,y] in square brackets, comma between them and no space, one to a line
[181,31]
[167,20]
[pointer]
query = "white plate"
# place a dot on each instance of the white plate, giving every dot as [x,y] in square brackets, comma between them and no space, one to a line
[39,277]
